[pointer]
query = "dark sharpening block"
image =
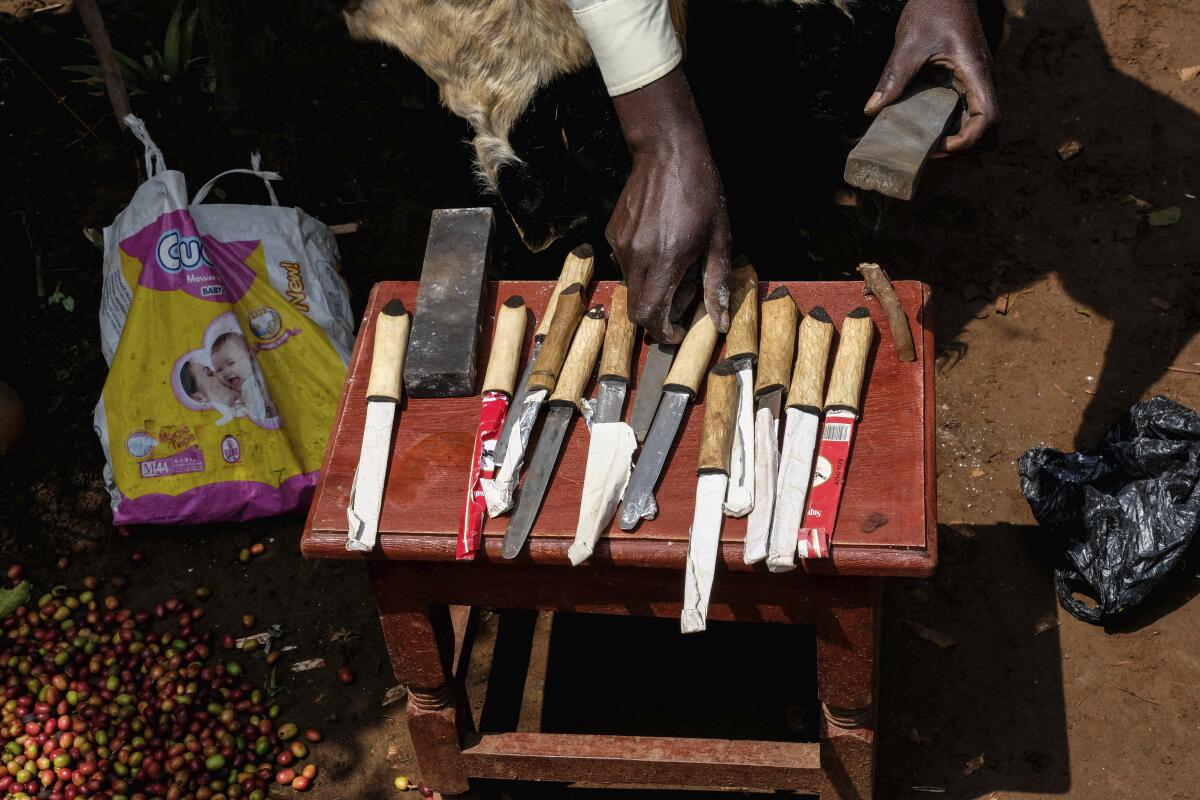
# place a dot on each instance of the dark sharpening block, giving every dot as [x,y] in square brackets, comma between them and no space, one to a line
[891,155]
[446,324]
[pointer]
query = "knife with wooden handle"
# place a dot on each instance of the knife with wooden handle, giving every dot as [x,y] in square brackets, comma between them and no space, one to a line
[741,347]
[777,346]
[563,403]
[712,470]
[577,268]
[567,313]
[610,452]
[843,407]
[384,392]
[499,380]
[679,389]
[799,437]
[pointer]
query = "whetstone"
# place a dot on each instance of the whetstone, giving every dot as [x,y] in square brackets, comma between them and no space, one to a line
[447,320]
[890,156]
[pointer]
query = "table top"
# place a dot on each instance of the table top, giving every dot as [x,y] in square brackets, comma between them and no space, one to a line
[887,519]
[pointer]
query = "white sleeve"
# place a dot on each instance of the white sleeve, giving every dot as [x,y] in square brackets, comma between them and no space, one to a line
[633,40]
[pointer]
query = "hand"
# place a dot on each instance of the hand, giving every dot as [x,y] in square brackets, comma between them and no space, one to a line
[671,215]
[944,33]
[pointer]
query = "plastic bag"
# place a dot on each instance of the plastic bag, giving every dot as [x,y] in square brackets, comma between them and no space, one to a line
[1125,515]
[227,331]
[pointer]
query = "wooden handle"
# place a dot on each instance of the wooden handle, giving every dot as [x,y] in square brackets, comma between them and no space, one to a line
[812,358]
[742,339]
[567,312]
[693,355]
[387,358]
[720,402]
[777,343]
[850,364]
[577,268]
[581,359]
[501,374]
[618,340]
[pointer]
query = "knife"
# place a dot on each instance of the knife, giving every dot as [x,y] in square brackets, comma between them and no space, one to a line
[563,404]
[613,442]
[577,268]
[776,348]
[567,312]
[659,357]
[799,437]
[384,390]
[842,407]
[498,383]
[679,387]
[704,540]
[741,347]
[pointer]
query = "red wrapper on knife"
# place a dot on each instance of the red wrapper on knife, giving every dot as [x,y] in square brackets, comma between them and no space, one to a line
[498,383]
[842,408]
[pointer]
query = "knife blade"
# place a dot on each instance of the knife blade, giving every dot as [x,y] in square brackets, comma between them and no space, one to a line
[776,348]
[799,437]
[498,382]
[712,471]
[577,268]
[384,390]
[563,403]
[610,450]
[659,358]
[679,388]
[567,313]
[741,347]
[843,403]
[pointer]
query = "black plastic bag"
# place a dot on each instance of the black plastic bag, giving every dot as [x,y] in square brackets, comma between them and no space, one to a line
[1125,515]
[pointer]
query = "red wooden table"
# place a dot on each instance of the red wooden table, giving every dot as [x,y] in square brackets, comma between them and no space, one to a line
[886,527]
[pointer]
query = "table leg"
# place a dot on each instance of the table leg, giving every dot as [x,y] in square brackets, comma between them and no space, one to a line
[847,677]
[420,643]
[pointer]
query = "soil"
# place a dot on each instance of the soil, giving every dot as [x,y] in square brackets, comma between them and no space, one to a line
[1057,306]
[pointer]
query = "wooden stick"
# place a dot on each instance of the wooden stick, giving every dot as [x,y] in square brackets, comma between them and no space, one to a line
[719,408]
[568,310]
[581,358]
[507,335]
[879,285]
[577,268]
[694,354]
[777,343]
[114,83]
[618,341]
[850,363]
[812,360]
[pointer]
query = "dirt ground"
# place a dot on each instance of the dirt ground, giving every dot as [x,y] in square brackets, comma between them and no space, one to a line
[1057,306]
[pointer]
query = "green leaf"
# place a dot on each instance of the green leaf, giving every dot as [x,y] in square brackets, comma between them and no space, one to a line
[85,69]
[189,38]
[14,598]
[56,296]
[171,45]
[133,69]
[68,303]
[1164,217]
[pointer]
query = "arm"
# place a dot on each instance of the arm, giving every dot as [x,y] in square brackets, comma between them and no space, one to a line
[943,33]
[671,215]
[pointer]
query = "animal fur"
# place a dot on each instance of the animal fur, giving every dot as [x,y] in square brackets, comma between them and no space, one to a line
[488,58]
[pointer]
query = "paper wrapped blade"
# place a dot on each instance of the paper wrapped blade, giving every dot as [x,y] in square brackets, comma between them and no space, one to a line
[609,466]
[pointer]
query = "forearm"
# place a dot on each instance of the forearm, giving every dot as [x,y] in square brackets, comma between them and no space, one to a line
[661,115]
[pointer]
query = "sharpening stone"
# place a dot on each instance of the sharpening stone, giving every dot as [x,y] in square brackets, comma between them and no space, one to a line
[446,323]
[890,157]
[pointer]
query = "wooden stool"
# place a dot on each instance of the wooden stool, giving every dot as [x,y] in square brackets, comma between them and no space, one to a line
[886,527]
